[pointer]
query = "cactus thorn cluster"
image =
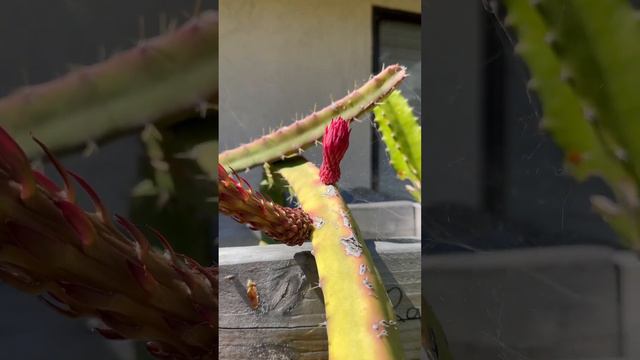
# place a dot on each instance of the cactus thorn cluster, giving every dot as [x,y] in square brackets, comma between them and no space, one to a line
[291,226]
[82,265]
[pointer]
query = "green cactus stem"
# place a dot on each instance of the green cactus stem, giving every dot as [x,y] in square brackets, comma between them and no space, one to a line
[401,135]
[158,80]
[576,122]
[360,319]
[296,137]
[598,49]
[82,265]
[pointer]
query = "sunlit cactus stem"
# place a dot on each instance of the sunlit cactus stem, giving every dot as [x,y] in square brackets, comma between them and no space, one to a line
[82,265]
[360,319]
[294,138]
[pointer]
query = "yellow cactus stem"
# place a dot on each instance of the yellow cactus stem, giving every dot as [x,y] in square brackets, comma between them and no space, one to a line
[360,319]
[81,264]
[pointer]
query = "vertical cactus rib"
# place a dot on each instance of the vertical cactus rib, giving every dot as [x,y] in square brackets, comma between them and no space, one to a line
[360,319]
[302,133]
[401,135]
[82,265]
[159,78]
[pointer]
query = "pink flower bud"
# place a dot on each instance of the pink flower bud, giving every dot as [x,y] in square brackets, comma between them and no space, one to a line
[334,145]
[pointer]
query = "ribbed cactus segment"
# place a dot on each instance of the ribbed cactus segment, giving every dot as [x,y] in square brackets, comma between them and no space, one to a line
[291,226]
[160,77]
[571,117]
[360,319]
[302,133]
[401,135]
[82,265]
[598,49]
[563,114]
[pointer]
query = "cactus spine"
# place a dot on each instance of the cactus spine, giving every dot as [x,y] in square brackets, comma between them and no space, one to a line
[294,138]
[159,78]
[82,265]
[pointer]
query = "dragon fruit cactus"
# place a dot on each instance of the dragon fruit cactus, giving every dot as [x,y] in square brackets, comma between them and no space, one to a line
[360,319]
[83,264]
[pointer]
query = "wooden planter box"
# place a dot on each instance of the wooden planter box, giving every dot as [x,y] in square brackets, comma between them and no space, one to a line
[556,303]
[288,323]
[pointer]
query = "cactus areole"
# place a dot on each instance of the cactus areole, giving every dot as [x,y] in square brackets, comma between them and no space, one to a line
[334,145]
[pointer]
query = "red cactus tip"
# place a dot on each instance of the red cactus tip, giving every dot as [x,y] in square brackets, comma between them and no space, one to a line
[334,145]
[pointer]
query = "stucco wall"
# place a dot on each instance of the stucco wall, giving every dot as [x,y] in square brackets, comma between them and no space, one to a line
[281,58]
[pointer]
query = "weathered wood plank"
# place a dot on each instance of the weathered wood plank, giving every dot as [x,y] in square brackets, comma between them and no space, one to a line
[561,302]
[288,322]
[397,220]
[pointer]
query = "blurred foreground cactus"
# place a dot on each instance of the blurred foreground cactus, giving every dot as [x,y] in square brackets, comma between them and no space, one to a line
[360,320]
[584,60]
[82,263]
[160,80]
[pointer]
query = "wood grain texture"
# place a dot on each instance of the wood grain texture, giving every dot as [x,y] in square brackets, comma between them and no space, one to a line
[288,322]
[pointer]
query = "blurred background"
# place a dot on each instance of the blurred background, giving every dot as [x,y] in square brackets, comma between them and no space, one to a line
[46,39]
[516,265]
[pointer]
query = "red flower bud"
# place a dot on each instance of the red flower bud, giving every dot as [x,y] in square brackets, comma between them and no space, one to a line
[334,145]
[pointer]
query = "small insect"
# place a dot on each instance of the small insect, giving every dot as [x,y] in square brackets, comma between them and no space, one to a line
[252,294]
